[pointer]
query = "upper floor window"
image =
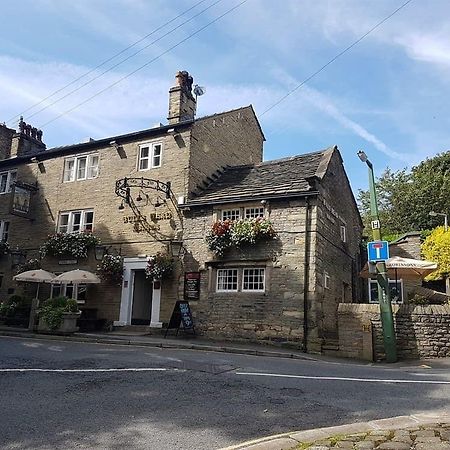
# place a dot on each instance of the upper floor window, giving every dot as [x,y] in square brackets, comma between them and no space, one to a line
[7,179]
[149,156]
[254,213]
[4,231]
[76,221]
[81,168]
[231,214]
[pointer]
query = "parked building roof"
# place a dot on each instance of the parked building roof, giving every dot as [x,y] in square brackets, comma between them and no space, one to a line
[284,177]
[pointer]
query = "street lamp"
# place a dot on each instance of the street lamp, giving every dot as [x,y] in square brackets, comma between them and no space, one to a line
[435,214]
[384,295]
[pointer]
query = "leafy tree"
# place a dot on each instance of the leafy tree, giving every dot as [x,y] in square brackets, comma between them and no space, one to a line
[406,198]
[436,248]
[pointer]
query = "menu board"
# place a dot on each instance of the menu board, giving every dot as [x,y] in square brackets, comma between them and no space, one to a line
[191,285]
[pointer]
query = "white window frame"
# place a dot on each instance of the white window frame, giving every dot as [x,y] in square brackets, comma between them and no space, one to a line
[391,282]
[244,269]
[70,222]
[254,212]
[89,168]
[235,212]
[343,233]
[218,276]
[63,288]
[153,160]
[4,230]
[10,179]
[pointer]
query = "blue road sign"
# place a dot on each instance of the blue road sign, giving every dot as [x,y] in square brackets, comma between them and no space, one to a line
[378,250]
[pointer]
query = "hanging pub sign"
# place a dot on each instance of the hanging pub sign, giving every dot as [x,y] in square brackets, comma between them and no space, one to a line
[21,200]
[181,315]
[191,285]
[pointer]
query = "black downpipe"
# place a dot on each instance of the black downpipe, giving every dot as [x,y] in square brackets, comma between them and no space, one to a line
[306,276]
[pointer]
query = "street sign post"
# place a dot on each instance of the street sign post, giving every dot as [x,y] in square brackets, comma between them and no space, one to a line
[378,250]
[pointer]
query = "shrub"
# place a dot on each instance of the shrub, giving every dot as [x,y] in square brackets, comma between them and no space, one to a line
[69,244]
[52,310]
[159,266]
[436,247]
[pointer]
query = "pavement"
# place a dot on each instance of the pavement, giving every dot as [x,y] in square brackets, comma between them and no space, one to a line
[415,432]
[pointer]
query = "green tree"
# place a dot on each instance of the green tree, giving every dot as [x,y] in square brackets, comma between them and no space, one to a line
[436,248]
[406,198]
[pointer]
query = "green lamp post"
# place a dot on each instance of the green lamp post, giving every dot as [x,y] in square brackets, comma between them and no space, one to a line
[384,295]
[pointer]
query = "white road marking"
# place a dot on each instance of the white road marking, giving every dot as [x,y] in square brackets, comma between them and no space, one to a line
[361,380]
[131,369]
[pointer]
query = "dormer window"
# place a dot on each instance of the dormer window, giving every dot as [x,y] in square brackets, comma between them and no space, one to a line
[150,156]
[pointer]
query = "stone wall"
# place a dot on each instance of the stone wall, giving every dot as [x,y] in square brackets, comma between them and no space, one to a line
[421,331]
[274,315]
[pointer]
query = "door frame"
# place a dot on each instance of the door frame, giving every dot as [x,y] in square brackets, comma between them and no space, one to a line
[130,265]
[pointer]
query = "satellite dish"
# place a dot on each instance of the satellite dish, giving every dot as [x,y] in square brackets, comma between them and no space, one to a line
[199,90]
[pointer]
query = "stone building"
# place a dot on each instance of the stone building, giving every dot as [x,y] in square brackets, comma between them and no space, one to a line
[145,192]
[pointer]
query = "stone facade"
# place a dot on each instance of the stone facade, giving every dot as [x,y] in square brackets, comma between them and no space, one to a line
[309,248]
[421,331]
[308,269]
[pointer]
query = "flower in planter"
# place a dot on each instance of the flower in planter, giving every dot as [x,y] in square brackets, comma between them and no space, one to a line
[76,245]
[31,264]
[226,234]
[159,266]
[53,309]
[219,238]
[111,269]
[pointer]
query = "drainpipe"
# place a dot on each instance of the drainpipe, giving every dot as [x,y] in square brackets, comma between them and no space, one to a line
[306,276]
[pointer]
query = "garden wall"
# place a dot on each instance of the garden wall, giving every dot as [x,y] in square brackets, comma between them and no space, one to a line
[421,331]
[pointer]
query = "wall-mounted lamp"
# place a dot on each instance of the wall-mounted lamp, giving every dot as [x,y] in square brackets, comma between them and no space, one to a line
[17,257]
[176,248]
[121,205]
[100,252]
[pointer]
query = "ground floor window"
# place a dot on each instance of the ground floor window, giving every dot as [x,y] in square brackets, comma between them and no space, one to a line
[245,279]
[75,291]
[395,288]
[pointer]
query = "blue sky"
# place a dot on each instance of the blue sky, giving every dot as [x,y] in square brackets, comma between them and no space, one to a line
[388,95]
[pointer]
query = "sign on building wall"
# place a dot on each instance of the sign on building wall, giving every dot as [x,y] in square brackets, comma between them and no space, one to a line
[21,200]
[191,285]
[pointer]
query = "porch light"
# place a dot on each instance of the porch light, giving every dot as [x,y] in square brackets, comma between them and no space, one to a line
[17,257]
[100,252]
[121,206]
[176,248]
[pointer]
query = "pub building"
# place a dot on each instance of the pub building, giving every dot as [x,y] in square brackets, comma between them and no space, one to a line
[261,250]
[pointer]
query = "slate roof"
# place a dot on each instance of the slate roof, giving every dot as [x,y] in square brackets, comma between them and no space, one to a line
[285,177]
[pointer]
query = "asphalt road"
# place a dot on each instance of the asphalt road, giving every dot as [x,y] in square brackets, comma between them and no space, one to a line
[65,395]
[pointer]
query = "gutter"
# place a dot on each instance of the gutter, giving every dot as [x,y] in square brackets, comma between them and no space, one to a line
[306,275]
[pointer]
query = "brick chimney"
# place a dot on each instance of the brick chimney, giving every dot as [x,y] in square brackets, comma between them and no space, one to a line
[27,141]
[182,104]
[6,135]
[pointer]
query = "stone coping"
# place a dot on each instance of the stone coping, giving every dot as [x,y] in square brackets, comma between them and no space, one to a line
[360,308]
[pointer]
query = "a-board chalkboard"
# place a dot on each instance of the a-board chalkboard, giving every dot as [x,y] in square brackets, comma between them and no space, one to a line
[181,315]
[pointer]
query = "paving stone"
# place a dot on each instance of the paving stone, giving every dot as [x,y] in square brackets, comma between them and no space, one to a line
[319,447]
[344,444]
[439,446]
[394,446]
[364,445]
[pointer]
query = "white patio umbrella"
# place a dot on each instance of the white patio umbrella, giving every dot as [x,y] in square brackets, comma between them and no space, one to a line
[77,276]
[398,267]
[35,276]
